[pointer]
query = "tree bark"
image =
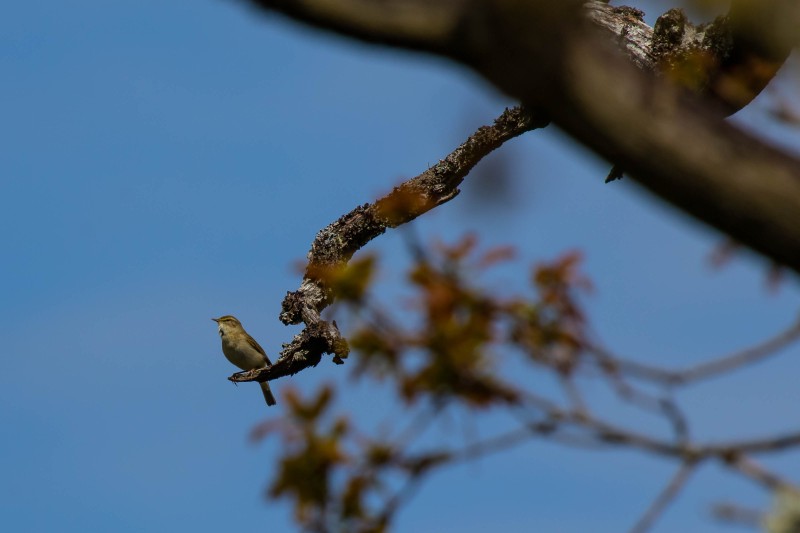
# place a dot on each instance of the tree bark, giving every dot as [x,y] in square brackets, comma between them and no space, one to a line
[656,110]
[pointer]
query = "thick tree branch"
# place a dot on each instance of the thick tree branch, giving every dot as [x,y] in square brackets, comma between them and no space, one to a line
[768,29]
[674,146]
[671,143]
[424,25]
[641,110]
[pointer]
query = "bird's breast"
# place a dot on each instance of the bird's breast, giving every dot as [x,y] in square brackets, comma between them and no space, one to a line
[242,355]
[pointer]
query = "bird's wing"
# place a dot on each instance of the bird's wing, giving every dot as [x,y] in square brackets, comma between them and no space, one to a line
[252,342]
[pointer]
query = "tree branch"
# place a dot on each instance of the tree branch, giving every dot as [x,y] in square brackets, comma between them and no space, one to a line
[336,244]
[666,497]
[424,25]
[671,142]
[673,145]
[706,370]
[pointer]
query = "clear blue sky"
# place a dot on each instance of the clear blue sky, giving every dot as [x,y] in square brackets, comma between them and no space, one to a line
[166,162]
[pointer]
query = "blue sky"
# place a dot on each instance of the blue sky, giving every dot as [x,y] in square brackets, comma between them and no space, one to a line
[166,162]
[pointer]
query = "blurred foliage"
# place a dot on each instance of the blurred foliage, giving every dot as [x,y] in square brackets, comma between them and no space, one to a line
[336,477]
[457,347]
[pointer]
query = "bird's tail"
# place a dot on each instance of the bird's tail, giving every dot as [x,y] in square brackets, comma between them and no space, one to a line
[267,393]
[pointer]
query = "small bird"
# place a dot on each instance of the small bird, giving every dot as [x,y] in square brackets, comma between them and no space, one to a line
[242,350]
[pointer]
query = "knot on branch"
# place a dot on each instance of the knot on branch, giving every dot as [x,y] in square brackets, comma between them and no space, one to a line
[323,337]
[292,308]
[669,31]
[729,455]
[713,59]
[629,13]
[305,350]
[304,304]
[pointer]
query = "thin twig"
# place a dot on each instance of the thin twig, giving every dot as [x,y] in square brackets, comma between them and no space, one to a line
[663,406]
[741,358]
[574,395]
[736,514]
[709,369]
[417,427]
[761,475]
[758,445]
[492,445]
[665,498]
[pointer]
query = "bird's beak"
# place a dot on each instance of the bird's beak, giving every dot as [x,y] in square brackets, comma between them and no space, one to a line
[215,320]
